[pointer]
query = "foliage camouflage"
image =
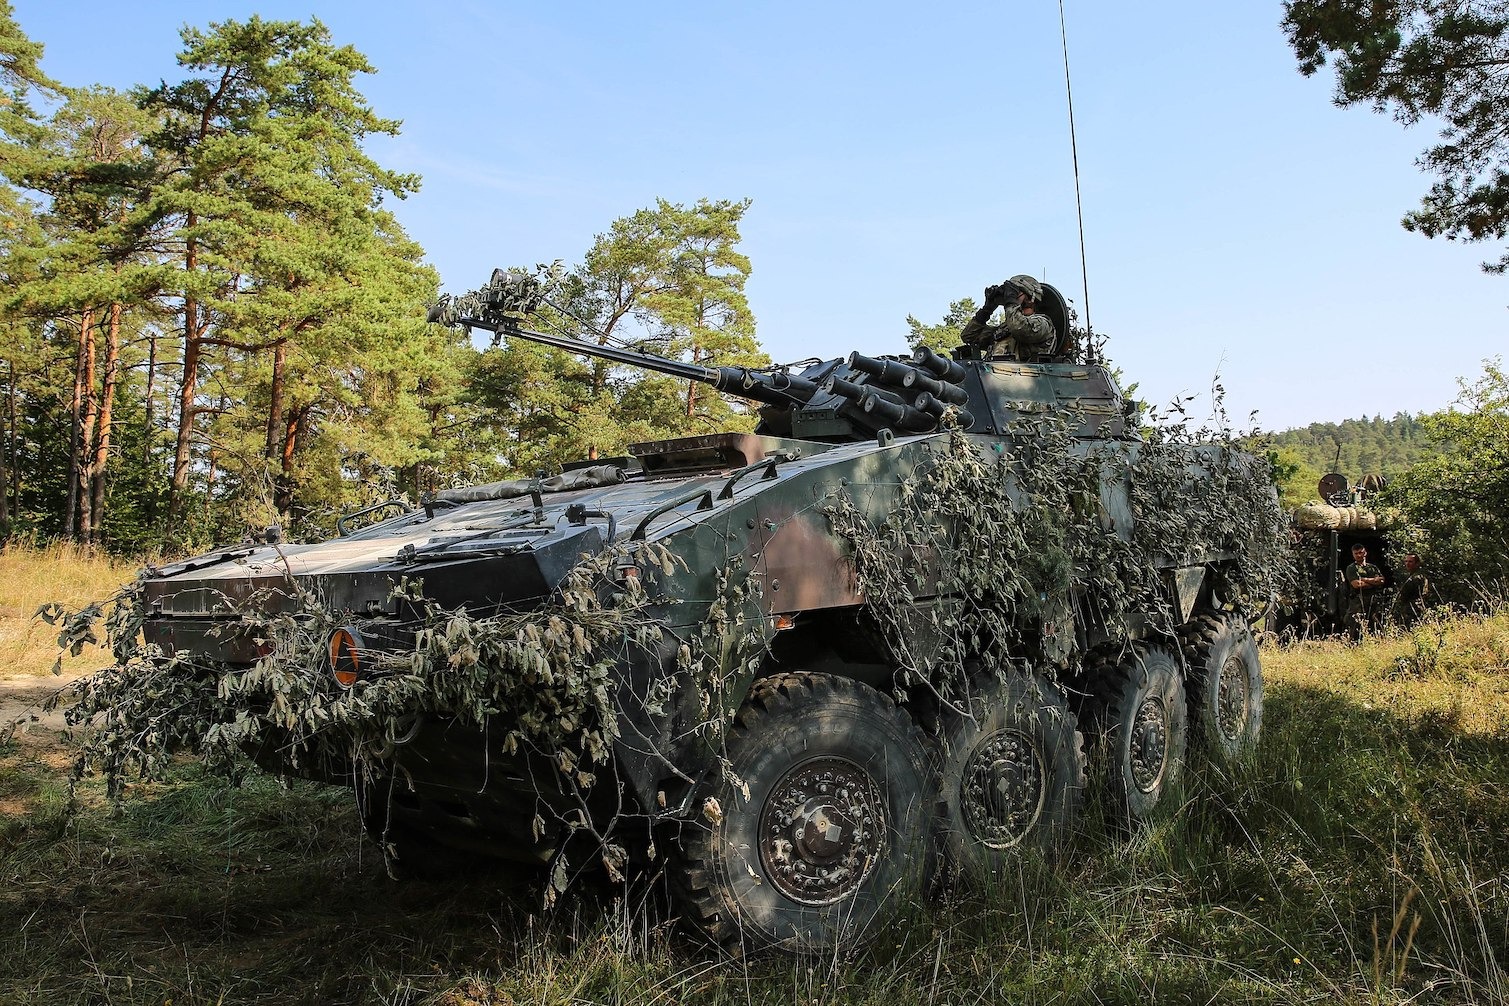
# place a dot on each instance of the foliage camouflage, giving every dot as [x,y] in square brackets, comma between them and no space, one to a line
[544,673]
[1011,538]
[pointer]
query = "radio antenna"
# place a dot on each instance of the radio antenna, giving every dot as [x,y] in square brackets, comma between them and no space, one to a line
[1079,205]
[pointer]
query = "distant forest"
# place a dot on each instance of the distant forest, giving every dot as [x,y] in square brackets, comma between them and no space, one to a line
[1368,446]
[1354,447]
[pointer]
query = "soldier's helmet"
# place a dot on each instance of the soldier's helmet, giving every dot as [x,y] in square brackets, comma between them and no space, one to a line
[1030,286]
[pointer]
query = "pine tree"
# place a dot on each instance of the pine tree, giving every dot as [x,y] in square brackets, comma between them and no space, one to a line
[265,145]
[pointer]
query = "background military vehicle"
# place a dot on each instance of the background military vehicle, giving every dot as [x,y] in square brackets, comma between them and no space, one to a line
[1314,603]
[763,737]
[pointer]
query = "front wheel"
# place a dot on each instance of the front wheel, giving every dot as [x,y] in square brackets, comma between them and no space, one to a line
[822,838]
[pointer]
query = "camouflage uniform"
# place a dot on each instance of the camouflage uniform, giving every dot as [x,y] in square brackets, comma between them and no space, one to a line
[1410,604]
[1021,335]
[1360,602]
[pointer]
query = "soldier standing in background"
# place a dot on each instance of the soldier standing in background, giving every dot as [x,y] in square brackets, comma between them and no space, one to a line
[1364,580]
[1022,333]
[1414,593]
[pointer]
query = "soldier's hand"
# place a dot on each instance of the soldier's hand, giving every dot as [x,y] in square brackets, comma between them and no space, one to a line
[995,294]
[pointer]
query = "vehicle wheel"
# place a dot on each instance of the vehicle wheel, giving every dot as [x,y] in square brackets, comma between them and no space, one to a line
[827,838]
[1013,774]
[1140,722]
[408,854]
[1224,680]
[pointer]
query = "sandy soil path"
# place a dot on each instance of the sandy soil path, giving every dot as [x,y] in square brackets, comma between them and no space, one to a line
[22,697]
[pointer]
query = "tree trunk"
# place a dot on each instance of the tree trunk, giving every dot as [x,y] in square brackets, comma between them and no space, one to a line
[292,437]
[81,414]
[7,450]
[146,440]
[15,440]
[275,403]
[188,386]
[89,426]
[107,406]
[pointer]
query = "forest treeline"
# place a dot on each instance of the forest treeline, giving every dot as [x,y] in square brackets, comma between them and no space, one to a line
[212,320]
[1353,447]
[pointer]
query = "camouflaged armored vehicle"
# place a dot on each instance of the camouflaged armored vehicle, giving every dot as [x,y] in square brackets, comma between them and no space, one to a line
[809,666]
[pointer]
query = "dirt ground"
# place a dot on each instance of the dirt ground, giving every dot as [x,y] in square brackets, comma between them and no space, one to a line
[21,699]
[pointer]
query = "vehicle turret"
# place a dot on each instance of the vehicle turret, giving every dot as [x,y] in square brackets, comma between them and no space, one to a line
[855,397]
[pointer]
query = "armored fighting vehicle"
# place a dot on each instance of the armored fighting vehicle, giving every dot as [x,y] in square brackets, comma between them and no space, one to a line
[808,665]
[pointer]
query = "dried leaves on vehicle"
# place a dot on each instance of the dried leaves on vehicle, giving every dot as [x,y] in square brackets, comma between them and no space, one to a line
[1006,536]
[547,669]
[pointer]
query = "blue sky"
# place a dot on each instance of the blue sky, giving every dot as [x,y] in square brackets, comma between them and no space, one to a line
[1237,224]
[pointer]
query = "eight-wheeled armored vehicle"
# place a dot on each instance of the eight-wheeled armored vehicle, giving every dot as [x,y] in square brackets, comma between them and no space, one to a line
[756,653]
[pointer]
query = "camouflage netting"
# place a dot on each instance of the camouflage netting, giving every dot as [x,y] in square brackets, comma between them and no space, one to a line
[1009,537]
[1005,536]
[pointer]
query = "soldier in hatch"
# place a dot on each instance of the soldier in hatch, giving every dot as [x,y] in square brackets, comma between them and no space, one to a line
[1022,333]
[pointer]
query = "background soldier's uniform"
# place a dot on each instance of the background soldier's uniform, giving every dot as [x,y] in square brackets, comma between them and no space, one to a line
[1410,604]
[1360,603]
[1019,334]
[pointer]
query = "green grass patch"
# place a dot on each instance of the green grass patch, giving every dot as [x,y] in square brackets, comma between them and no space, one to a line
[1359,857]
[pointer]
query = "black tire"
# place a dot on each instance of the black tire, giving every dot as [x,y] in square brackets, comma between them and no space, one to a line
[790,865]
[1013,775]
[408,853]
[1139,718]
[1224,680]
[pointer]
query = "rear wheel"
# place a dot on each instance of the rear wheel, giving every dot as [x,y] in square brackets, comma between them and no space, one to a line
[1224,683]
[825,839]
[1013,774]
[1140,721]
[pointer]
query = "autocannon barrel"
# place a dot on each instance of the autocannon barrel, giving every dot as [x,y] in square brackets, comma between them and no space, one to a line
[760,386]
[798,386]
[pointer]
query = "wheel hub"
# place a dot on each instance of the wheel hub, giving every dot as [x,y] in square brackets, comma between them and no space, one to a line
[1149,744]
[822,831]
[1231,700]
[1003,788]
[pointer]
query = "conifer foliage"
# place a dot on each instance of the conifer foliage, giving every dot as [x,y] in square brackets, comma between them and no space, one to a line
[211,320]
[1430,60]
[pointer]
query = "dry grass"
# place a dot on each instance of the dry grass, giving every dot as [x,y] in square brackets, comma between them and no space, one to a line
[1453,670]
[30,578]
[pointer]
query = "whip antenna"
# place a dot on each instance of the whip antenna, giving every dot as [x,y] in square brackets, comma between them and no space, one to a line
[1078,202]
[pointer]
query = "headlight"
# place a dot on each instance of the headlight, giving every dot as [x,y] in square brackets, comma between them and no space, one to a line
[346,656]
